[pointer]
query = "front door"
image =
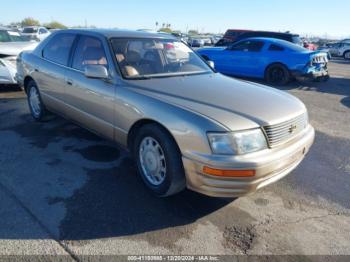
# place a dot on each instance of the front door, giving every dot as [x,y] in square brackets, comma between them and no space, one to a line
[91,101]
[244,57]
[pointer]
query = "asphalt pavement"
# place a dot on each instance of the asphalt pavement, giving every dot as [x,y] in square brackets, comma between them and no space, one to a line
[63,190]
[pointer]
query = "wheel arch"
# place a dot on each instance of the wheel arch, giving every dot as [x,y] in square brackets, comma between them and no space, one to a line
[273,64]
[26,81]
[141,123]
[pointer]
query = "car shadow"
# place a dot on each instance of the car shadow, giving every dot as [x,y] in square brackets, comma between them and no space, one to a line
[9,88]
[339,60]
[114,202]
[111,202]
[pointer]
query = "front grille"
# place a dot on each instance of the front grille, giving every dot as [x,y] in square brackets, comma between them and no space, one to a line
[282,132]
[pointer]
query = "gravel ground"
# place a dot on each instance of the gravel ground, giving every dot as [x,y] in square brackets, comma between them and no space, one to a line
[66,191]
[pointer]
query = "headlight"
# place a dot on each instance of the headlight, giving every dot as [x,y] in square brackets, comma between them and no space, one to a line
[237,143]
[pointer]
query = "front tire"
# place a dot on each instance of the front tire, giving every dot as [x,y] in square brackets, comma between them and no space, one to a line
[277,75]
[159,161]
[36,106]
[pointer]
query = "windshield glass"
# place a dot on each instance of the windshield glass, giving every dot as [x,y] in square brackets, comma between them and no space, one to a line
[11,36]
[30,30]
[142,58]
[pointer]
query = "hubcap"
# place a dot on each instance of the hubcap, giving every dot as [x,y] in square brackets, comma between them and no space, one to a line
[34,101]
[347,55]
[152,160]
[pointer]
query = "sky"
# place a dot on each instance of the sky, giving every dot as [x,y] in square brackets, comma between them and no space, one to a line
[306,17]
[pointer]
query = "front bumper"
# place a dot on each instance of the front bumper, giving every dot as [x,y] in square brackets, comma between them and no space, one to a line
[270,165]
[7,72]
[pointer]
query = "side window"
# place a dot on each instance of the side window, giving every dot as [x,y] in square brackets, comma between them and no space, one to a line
[42,31]
[274,47]
[58,48]
[256,46]
[240,46]
[248,46]
[89,51]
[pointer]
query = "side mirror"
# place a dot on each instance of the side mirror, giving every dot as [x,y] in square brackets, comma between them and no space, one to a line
[211,64]
[96,71]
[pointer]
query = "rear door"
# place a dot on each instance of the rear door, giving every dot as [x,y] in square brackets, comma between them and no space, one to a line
[91,101]
[51,69]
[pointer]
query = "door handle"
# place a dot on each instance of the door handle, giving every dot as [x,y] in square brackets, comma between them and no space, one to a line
[69,82]
[36,69]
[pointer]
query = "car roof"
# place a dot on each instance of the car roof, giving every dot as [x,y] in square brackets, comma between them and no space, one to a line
[266,39]
[268,32]
[111,33]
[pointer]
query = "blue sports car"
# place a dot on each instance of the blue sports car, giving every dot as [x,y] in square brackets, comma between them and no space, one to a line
[277,61]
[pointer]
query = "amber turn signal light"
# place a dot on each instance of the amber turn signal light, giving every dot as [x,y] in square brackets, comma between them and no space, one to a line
[228,173]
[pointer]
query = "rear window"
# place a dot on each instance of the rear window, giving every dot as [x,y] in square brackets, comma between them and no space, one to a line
[274,47]
[296,40]
[30,30]
[58,48]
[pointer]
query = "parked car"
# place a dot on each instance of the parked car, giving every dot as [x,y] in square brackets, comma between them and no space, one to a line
[309,46]
[207,42]
[196,42]
[327,49]
[276,61]
[345,41]
[340,49]
[11,44]
[185,124]
[35,32]
[233,34]
[293,38]
[223,42]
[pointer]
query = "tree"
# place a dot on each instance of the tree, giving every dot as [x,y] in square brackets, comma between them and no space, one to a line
[29,21]
[55,25]
[165,30]
[192,32]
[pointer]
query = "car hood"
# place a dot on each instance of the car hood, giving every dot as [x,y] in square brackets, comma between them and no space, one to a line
[233,103]
[14,48]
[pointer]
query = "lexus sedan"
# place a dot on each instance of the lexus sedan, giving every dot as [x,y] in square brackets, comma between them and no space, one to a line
[184,124]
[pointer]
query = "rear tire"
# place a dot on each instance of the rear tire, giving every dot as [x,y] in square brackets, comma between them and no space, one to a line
[277,75]
[347,55]
[158,160]
[36,106]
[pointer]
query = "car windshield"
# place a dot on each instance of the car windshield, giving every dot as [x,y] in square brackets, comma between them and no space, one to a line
[30,30]
[11,36]
[145,58]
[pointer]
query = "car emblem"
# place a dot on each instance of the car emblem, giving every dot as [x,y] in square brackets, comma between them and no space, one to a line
[292,128]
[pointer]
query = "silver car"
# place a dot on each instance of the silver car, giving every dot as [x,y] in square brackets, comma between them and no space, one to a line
[185,124]
[11,44]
